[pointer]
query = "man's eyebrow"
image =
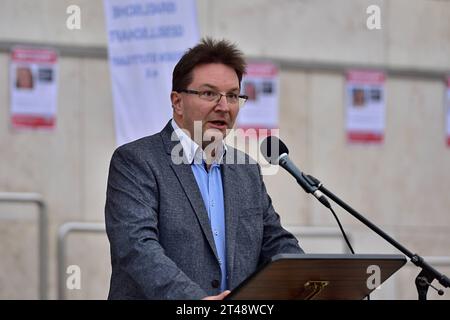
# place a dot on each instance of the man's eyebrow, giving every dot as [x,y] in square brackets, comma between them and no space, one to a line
[217,89]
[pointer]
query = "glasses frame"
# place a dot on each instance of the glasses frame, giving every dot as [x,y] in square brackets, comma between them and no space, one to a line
[241,98]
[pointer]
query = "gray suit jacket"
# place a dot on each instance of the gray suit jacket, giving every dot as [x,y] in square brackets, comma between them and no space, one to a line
[162,245]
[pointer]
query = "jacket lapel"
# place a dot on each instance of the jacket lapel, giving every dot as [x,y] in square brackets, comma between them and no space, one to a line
[230,181]
[187,180]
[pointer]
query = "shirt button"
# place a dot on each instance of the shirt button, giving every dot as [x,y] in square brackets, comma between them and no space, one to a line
[216,233]
[212,203]
[215,283]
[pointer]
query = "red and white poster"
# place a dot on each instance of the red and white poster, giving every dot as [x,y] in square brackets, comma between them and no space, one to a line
[33,88]
[448,111]
[261,85]
[365,106]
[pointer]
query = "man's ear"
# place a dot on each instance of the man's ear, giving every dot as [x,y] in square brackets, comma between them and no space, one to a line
[177,103]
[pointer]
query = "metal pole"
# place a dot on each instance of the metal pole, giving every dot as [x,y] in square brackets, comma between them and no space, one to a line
[15,197]
[63,231]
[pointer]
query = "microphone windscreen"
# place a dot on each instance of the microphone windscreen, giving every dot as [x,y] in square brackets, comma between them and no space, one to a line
[271,148]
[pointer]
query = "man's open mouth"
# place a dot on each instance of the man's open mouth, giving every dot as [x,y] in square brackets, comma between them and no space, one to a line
[219,123]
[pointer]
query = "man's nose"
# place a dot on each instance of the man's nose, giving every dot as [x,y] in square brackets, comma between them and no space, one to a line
[222,103]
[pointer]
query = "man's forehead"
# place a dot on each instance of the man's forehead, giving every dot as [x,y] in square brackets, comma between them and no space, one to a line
[215,75]
[212,86]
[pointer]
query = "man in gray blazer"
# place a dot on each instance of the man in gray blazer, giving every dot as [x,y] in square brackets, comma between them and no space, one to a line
[187,216]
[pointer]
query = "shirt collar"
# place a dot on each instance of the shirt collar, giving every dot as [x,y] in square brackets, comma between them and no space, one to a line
[192,151]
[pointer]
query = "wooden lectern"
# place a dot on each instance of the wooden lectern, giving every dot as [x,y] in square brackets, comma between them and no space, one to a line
[318,277]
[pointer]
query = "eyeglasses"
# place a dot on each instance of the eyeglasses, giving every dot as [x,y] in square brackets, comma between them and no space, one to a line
[210,95]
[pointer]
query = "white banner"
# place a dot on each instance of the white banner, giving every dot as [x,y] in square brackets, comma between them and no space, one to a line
[33,88]
[145,41]
[365,106]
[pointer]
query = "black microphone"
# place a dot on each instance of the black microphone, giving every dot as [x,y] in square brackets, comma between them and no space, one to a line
[277,153]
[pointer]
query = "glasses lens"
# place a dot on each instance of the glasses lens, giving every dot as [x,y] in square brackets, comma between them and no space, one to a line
[214,96]
[208,95]
[242,101]
[232,98]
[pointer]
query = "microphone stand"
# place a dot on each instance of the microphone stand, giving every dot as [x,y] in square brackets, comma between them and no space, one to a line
[427,274]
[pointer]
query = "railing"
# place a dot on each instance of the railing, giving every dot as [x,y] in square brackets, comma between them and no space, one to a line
[63,232]
[438,261]
[300,232]
[11,197]
[89,227]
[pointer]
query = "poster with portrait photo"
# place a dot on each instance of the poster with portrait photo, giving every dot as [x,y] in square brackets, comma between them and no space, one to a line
[447,107]
[260,84]
[33,88]
[365,106]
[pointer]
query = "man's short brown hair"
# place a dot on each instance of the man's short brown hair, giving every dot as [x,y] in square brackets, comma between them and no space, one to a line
[207,51]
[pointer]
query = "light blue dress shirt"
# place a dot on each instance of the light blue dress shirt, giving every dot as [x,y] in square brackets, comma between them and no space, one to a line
[211,188]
